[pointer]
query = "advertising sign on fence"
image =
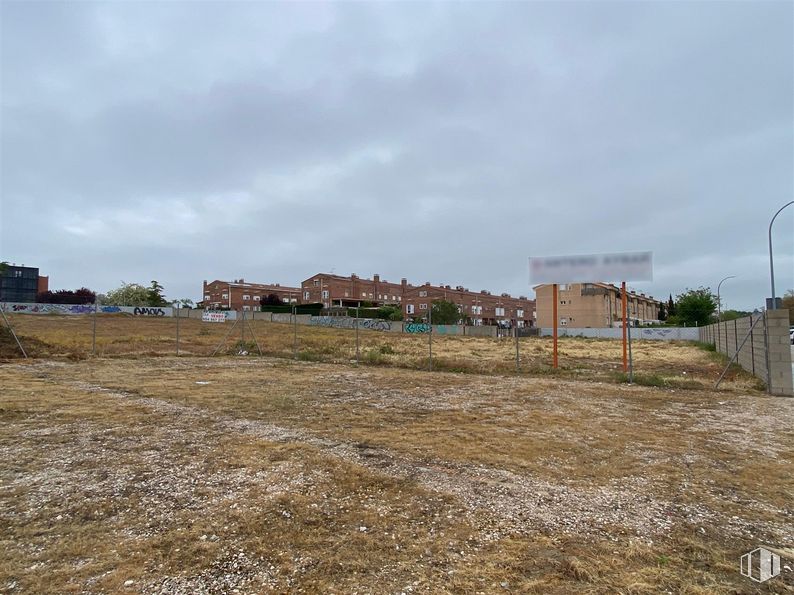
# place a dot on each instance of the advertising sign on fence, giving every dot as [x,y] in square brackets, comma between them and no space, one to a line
[213,317]
[588,268]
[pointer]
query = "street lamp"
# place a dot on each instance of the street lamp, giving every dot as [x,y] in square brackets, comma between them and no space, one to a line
[771,264]
[719,304]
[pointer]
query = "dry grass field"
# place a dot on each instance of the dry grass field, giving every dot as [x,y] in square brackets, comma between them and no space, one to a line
[670,364]
[141,472]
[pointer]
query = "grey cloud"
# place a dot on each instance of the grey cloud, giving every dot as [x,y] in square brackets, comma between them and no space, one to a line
[442,142]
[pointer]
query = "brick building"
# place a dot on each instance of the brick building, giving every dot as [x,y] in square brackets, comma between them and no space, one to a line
[237,294]
[593,305]
[336,290]
[479,308]
[21,284]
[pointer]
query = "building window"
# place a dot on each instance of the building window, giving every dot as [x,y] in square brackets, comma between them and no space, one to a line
[519,314]
[246,308]
[305,295]
[257,298]
[363,294]
[422,294]
[316,282]
[325,294]
[423,306]
[225,296]
[563,321]
[410,308]
[347,294]
[206,296]
[246,298]
[500,311]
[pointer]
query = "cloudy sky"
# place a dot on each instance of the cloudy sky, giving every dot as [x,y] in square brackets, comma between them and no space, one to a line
[445,142]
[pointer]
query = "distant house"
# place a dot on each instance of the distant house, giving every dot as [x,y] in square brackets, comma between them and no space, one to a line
[477,307]
[593,305]
[239,295]
[21,284]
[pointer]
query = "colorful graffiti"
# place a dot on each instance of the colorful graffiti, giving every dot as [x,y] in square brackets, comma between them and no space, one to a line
[345,322]
[416,327]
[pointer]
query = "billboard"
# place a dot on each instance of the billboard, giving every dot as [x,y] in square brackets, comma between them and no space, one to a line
[590,268]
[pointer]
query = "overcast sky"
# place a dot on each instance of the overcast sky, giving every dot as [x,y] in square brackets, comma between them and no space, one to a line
[448,142]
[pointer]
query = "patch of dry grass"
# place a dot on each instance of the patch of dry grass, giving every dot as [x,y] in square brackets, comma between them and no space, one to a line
[663,363]
[274,475]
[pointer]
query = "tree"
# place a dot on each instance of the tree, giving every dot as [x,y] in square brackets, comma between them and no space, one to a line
[733,314]
[445,312]
[671,311]
[272,300]
[390,313]
[662,311]
[695,307]
[156,297]
[3,266]
[183,303]
[67,296]
[129,294]
[788,302]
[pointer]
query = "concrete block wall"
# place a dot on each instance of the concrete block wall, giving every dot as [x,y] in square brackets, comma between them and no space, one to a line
[762,351]
[637,333]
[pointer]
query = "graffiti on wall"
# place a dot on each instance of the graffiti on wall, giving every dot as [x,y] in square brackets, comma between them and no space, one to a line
[148,312]
[84,309]
[345,322]
[416,327]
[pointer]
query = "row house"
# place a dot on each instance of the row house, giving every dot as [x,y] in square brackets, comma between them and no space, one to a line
[593,305]
[478,308]
[239,295]
[336,290]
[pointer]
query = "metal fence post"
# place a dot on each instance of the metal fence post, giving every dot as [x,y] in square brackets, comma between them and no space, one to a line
[517,356]
[752,346]
[430,334]
[11,330]
[631,360]
[294,332]
[177,330]
[93,332]
[766,354]
[357,347]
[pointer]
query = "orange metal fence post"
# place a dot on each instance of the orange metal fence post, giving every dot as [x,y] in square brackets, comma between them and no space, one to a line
[554,316]
[624,307]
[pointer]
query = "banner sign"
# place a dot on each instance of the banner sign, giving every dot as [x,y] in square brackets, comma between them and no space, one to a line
[591,268]
[213,317]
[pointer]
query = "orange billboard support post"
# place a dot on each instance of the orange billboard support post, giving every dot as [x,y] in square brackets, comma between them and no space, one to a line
[554,315]
[624,308]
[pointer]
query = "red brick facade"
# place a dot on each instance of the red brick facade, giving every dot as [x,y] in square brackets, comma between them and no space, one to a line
[336,290]
[478,308]
[239,295]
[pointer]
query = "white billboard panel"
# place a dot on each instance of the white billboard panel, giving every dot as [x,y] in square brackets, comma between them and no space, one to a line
[591,268]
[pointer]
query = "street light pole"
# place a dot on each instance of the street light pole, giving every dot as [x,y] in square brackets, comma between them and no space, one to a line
[771,264]
[719,304]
